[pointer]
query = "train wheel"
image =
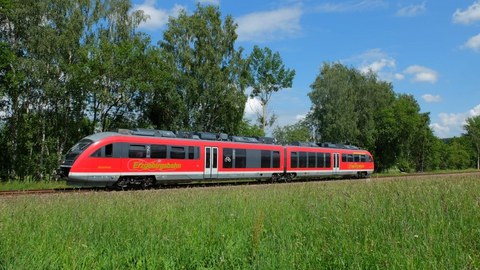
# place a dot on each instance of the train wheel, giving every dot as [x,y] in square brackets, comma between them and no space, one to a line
[149,182]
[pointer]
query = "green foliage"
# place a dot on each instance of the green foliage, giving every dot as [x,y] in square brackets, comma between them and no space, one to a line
[473,133]
[210,75]
[250,130]
[269,75]
[355,108]
[416,224]
[299,132]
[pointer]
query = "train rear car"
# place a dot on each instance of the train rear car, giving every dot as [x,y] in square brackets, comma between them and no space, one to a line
[308,160]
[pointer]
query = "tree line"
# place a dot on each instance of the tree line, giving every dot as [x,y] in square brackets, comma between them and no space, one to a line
[70,68]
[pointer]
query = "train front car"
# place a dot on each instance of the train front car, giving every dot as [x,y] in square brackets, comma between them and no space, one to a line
[78,154]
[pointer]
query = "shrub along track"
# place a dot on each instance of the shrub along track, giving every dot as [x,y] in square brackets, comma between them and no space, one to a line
[229,183]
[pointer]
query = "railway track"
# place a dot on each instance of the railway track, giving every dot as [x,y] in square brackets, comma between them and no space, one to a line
[216,184]
[46,191]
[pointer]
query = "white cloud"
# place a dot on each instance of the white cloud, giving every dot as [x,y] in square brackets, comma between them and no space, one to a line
[377,61]
[252,107]
[422,74]
[351,6]
[157,17]
[269,25]
[299,117]
[475,111]
[209,2]
[431,98]
[473,43]
[453,123]
[470,15]
[412,10]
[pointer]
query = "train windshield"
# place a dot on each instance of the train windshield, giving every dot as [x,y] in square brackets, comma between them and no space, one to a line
[77,149]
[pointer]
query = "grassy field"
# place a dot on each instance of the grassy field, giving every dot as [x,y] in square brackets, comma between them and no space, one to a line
[29,185]
[428,223]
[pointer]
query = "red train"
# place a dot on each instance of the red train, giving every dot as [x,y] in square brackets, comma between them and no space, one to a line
[153,157]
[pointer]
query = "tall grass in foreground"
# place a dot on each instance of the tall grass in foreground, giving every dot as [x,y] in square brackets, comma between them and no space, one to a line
[404,224]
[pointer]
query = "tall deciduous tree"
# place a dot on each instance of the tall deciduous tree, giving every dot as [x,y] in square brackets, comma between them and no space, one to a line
[269,75]
[299,132]
[210,74]
[473,132]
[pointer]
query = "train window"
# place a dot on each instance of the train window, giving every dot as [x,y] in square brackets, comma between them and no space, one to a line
[177,152]
[363,158]
[137,151]
[344,157]
[312,160]
[320,160]
[294,160]
[109,150]
[240,157]
[266,157]
[158,151]
[328,160]
[350,158]
[276,159]
[356,158]
[227,157]
[369,158]
[191,152]
[303,160]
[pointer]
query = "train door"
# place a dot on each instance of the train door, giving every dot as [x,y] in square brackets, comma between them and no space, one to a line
[211,163]
[336,163]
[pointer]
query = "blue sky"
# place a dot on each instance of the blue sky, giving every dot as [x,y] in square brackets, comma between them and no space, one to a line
[430,49]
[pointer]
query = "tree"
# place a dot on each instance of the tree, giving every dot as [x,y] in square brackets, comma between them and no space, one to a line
[299,132]
[269,75]
[210,75]
[473,132]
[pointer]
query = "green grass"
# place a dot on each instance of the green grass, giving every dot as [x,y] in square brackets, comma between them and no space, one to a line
[358,224]
[29,185]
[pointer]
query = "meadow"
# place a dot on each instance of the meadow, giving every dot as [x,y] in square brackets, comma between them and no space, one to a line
[421,223]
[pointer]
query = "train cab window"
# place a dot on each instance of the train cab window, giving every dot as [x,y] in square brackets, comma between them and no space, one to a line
[109,150]
[105,151]
[363,158]
[276,159]
[158,151]
[294,160]
[137,151]
[312,160]
[240,157]
[328,160]
[303,160]
[369,158]
[266,157]
[177,152]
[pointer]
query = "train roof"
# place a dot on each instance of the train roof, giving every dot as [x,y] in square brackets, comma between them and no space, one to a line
[209,137]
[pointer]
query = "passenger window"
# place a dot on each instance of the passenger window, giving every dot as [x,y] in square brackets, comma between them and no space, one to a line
[177,152]
[266,156]
[294,160]
[227,157]
[320,160]
[328,160]
[303,160]
[276,159]
[137,151]
[158,151]
[240,158]
[311,160]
